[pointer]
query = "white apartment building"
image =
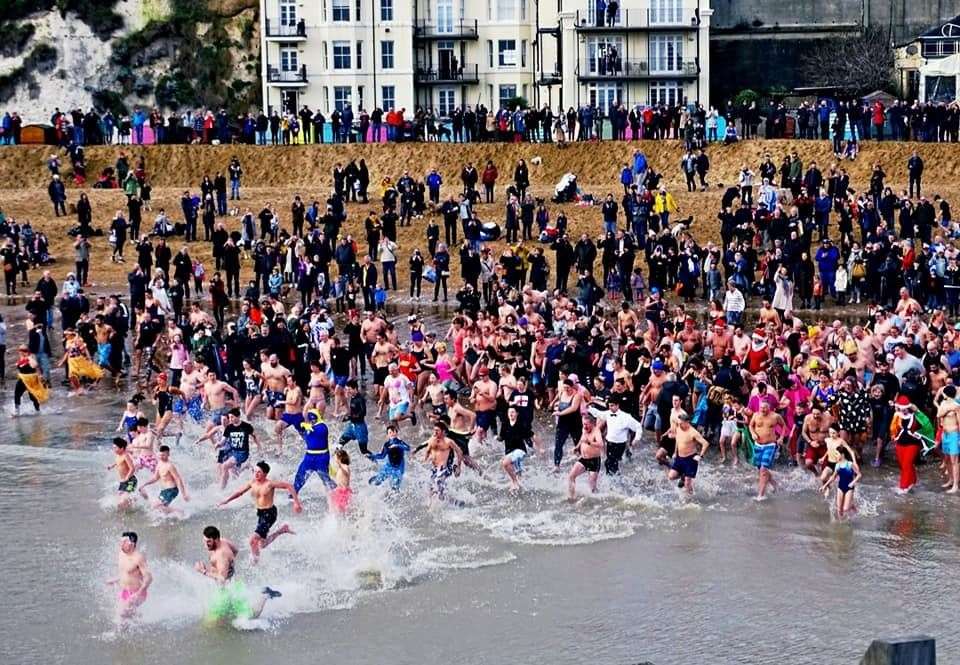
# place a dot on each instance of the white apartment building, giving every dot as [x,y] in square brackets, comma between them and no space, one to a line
[447,53]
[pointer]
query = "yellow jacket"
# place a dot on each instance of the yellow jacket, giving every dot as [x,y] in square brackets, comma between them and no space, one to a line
[664,203]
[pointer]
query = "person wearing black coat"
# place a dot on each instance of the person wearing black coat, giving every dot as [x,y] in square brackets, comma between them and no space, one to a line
[564,261]
[521,177]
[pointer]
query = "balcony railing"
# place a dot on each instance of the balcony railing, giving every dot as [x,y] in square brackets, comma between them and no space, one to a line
[637,19]
[275,75]
[277,28]
[463,29]
[597,68]
[462,74]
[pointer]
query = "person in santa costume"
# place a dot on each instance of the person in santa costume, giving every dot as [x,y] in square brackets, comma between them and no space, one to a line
[906,433]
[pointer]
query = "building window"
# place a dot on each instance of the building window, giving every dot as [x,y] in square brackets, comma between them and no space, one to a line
[666,53]
[326,98]
[360,96]
[507,10]
[289,59]
[445,16]
[605,55]
[523,10]
[386,10]
[446,101]
[386,55]
[940,88]
[359,55]
[341,55]
[358,14]
[605,96]
[389,94]
[288,12]
[523,53]
[341,10]
[507,52]
[490,53]
[665,12]
[326,55]
[342,95]
[507,94]
[668,93]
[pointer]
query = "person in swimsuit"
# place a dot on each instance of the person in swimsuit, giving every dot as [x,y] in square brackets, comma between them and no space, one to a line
[129,417]
[767,429]
[252,388]
[262,490]
[813,434]
[394,451]
[687,460]
[143,445]
[461,423]
[133,577]
[439,448]
[948,418]
[589,448]
[339,499]
[316,454]
[230,600]
[171,483]
[846,474]
[832,448]
[126,469]
[292,414]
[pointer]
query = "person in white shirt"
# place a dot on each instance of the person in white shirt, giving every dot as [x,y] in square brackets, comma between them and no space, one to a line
[622,429]
[733,304]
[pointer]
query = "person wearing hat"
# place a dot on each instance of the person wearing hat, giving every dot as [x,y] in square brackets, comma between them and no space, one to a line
[908,440]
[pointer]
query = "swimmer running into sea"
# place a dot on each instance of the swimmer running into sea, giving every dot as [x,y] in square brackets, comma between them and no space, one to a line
[262,490]
[230,601]
[133,577]
[126,470]
[171,484]
[393,451]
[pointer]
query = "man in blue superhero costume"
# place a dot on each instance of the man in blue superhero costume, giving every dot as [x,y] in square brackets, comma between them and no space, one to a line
[316,456]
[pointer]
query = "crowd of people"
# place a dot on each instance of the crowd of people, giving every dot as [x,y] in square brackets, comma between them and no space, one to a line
[836,119]
[593,343]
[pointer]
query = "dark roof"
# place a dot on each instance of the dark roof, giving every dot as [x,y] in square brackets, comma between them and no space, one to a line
[949,28]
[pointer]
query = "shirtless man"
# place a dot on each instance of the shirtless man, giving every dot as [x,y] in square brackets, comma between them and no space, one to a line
[216,393]
[741,344]
[190,400]
[768,430]
[438,450]
[649,395]
[626,318]
[690,337]
[370,328]
[460,423]
[293,410]
[589,450]
[133,577]
[126,468]
[813,433]
[381,355]
[687,460]
[229,602]
[538,359]
[275,382]
[262,490]
[948,418]
[143,446]
[171,483]
[719,340]
[769,315]
[484,397]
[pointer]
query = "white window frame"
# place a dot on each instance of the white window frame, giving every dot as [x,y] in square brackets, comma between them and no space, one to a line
[666,12]
[392,97]
[506,57]
[288,12]
[666,54]
[597,46]
[338,59]
[359,58]
[501,97]
[386,10]
[338,7]
[669,93]
[387,55]
[340,100]
[289,59]
[507,11]
[446,101]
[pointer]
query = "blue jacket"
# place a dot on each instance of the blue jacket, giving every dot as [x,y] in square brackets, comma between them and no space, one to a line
[639,163]
[433,180]
[827,259]
[626,176]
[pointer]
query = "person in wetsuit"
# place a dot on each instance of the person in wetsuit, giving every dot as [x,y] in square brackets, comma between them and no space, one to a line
[394,451]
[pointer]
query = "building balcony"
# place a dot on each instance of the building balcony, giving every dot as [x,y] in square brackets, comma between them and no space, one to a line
[635,70]
[275,29]
[638,20]
[550,78]
[464,75]
[456,30]
[281,77]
